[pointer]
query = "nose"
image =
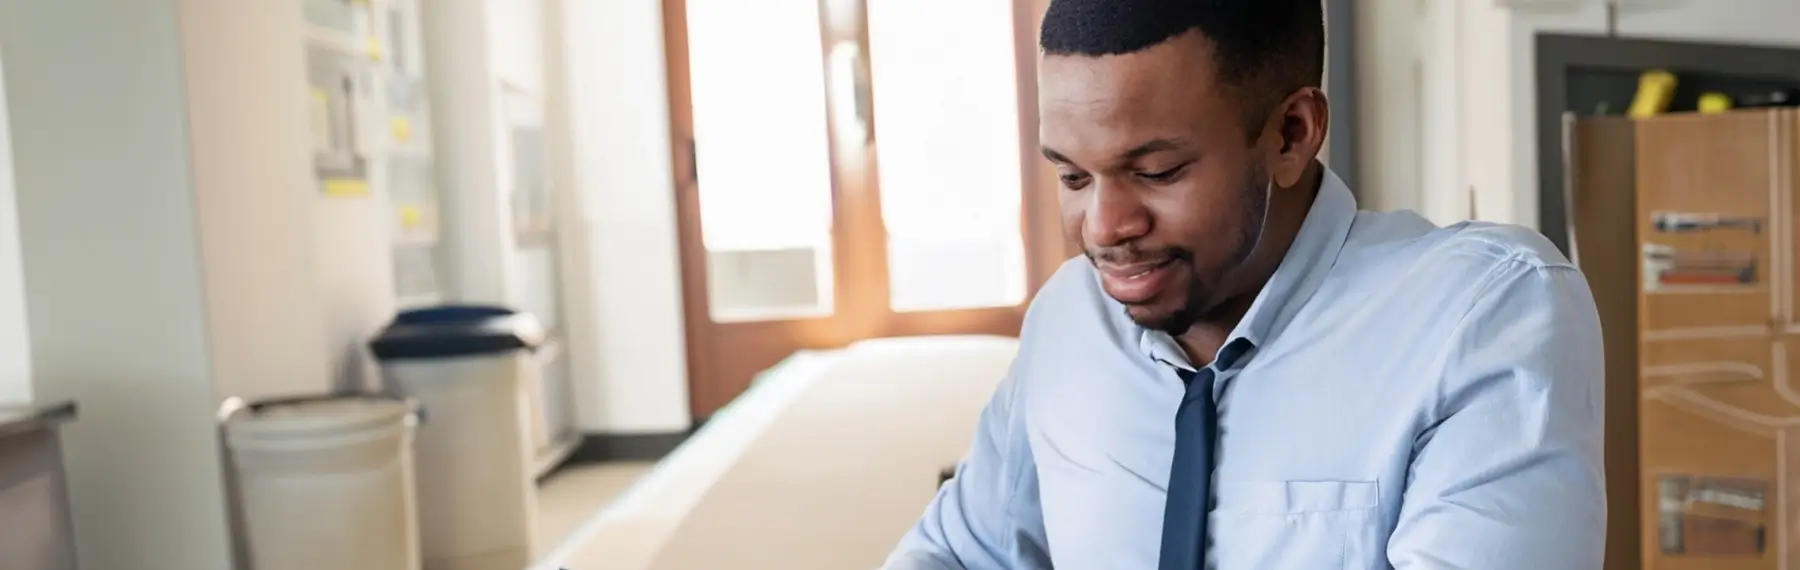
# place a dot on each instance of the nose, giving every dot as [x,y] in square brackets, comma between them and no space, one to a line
[1115,216]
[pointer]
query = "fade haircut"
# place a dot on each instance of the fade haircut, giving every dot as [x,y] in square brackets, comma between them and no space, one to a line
[1265,49]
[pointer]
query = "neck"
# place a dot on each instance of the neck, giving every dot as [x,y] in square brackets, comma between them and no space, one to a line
[1287,213]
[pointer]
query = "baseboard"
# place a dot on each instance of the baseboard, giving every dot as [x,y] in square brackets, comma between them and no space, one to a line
[602,447]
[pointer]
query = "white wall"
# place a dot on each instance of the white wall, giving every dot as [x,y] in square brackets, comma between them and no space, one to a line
[175,251]
[1485,104]
[463,93]
[600,69]
[618,108]
[517,45]
[1389,98]
[112,275]
[258,210]
[15,343]
[1427,94]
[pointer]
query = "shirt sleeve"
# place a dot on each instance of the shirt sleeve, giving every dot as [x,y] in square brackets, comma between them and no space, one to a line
[988,516]
[1509,474]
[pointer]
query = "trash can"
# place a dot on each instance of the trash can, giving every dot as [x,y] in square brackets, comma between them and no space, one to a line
[469,366]
[325,481]
[36,530]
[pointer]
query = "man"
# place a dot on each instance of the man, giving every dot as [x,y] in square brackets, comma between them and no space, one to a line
[1245,372]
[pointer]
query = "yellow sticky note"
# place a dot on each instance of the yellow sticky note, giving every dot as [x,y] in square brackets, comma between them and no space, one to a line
[411,216]
[321,121]
[346,187]
[402,127]
[375,50]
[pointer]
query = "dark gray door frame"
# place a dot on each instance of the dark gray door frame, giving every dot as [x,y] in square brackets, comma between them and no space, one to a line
[1340,83]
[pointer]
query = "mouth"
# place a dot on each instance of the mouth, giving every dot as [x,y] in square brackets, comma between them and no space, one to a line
[1136,283]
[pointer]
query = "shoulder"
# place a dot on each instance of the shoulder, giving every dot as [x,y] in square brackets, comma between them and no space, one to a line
[1404,240]
[1507,282]
[1510,267]
[1496,245]
[1465,280]
[1466,260]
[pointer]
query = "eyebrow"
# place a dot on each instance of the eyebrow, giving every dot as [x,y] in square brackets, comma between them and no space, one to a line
[1153,147]
[1137,152]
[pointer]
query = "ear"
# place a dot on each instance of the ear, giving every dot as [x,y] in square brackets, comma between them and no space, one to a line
[1299,125]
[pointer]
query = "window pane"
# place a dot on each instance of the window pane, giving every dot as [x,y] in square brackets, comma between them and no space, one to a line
[763,161]
[946,115]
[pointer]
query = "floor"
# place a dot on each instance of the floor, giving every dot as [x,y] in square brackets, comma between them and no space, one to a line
[573,494]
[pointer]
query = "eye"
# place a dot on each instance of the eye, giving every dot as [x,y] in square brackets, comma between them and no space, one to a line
[1074,181]
[1163,176]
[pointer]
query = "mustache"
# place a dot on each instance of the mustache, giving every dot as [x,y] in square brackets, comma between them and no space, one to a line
[1134,255]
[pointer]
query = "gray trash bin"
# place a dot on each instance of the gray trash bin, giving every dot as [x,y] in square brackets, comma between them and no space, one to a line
[324,481]
[36,529]
[470,366]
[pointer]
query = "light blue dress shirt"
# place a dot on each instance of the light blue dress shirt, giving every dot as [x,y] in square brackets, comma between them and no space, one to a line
[1415,398]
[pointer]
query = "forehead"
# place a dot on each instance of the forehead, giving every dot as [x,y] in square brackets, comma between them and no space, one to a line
[1105,104]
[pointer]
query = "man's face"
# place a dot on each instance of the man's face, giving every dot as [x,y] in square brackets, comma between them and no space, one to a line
[1160,184]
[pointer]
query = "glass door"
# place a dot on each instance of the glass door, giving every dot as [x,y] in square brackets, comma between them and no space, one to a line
[949,153]
[848,170]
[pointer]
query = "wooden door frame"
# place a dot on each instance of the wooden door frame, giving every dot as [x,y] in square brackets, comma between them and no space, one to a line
[857,220]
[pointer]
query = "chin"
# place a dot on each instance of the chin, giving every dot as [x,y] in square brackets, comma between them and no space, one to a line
[1159,316]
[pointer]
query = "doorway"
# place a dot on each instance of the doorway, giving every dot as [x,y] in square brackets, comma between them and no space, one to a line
[852,169]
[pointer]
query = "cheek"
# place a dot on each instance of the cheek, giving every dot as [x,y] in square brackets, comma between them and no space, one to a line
[1074,211]
[1207,218]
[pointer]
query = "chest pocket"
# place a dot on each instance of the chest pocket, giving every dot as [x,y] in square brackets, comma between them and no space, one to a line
[1297,525]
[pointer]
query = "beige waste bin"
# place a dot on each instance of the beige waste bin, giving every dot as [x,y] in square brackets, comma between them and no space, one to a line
[325,482]
[36,532]
[469,366]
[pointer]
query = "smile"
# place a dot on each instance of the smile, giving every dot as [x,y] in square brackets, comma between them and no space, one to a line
[1138,282]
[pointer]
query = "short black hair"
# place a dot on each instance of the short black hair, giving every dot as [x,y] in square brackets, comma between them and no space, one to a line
[1267,48]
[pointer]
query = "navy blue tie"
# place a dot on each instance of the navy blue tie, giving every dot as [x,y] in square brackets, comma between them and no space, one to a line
[1190,475]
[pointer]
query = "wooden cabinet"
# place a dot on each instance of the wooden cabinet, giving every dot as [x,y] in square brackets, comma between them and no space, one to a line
[1711,380]
[1603,206]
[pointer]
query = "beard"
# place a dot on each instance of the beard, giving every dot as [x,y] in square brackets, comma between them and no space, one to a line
[1203,297]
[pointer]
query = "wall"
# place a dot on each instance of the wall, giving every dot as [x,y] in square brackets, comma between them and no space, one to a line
[1389,99]
[175,251]
[1484,108]
[112,275]
[15,343]
[600,68]
[517,45]
[258,210]
[1423,91]
[618,109]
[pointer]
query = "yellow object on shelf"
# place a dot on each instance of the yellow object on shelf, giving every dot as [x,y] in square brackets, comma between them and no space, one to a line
[375,49]
[1656,89]
[1713,103]
[346,187]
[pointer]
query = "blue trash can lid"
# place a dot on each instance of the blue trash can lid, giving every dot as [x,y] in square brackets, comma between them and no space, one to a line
[453,331]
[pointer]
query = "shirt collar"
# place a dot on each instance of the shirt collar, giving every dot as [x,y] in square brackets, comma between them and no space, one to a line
[1308,260]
